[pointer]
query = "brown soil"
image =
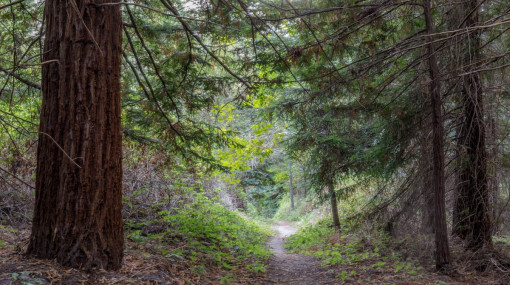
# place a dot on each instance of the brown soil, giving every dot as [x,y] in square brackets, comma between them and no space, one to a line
[287,268]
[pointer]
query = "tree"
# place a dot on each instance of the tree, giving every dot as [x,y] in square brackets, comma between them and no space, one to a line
[440,229]
[334,206]
[370,97]
[77,217]
[291,186]
[326,150]
[471,211]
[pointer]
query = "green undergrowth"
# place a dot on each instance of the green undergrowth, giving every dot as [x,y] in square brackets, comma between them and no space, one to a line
[254,215]
[306,210]
[358,253]
[204,234]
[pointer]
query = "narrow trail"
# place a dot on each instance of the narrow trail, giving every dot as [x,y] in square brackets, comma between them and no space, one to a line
[287,268]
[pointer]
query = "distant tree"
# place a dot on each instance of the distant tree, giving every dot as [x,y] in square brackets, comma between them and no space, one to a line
[291,186]
[77,217]
[334,205]
[318,136]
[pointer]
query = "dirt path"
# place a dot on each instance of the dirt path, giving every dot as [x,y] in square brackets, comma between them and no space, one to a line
[287,268]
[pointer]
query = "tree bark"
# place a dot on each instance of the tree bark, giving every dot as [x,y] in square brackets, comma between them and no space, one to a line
[77,217]
[428,213]
[291,187]
[493,162]
[440,228]
[305,183]
[471,208]
[423,185]
[334,206]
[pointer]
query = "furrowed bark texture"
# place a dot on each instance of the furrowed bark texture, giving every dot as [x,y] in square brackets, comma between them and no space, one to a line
[471,211]
[440,228]
[77,217]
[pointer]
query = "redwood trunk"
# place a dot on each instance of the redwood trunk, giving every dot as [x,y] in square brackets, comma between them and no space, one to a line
[438,177]
[77,217]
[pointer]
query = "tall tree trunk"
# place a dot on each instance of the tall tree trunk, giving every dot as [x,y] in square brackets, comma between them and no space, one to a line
[427,214]
[472,211]
[334,206]
[423,185]
[440,229]
[291,186]
[77,217]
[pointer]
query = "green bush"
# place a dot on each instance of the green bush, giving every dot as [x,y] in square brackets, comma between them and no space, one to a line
[309,236]
[214,232]
[349,248]
[332,247]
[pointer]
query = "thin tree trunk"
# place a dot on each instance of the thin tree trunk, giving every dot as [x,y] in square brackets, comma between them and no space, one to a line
[334,206]
[291,186]
[77,217]
[305,183]
[441,232]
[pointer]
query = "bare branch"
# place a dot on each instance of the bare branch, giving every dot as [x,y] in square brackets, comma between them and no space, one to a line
[11,4]
[17,76]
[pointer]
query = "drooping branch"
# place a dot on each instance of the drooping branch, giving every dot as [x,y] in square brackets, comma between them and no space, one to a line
[11,4]
[21,79]
[185,25]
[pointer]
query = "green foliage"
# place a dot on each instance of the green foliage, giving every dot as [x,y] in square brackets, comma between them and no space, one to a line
[350,109]
[304,212]
[348,248]
[211,232]
[25,278]
[309,236]
[344,274]
[226,230]
[262,191]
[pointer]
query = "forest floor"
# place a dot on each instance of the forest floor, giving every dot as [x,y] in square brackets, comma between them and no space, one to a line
[287,268]
[144,265]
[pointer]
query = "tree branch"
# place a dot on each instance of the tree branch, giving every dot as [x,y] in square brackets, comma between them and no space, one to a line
[11,4]
[27,82]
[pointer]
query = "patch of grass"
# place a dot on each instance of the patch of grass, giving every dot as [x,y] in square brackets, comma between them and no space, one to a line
[309,236]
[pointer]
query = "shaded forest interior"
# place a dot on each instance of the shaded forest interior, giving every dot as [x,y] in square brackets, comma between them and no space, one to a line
[254,142]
